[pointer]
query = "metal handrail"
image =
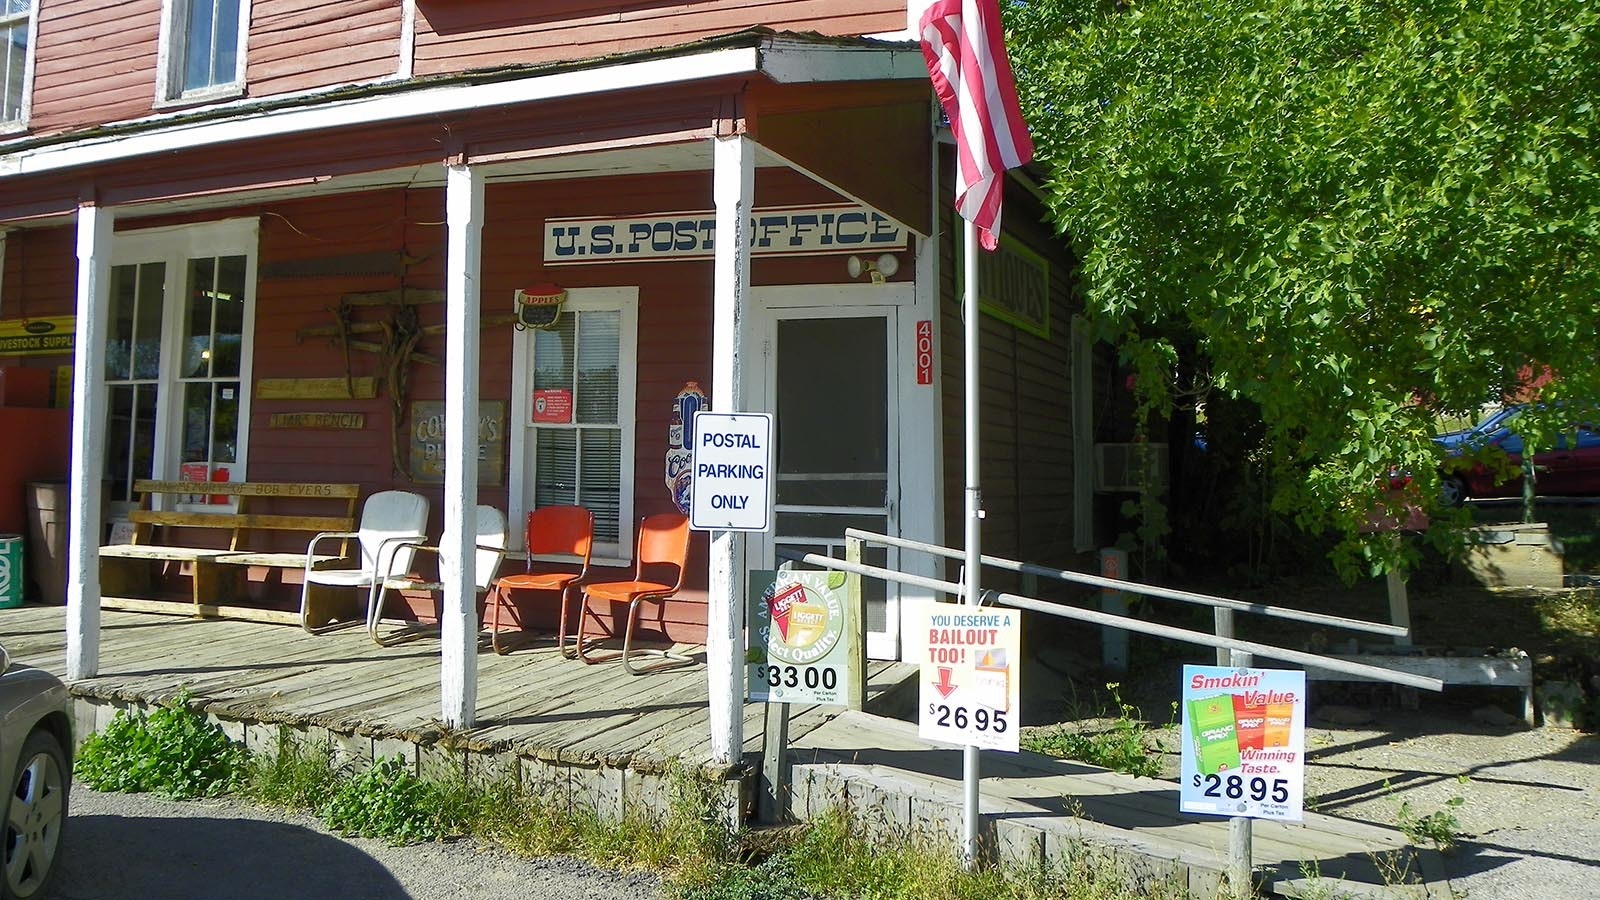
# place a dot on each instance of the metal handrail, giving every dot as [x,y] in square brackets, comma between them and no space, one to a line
[1134,587]
[1331,663]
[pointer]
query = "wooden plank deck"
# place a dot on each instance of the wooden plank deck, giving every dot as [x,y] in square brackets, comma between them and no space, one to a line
[533,703]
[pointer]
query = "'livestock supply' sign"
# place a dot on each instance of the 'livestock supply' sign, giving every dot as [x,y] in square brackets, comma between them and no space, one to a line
[732,463]
[802,231]
[970,691]
[1244,738]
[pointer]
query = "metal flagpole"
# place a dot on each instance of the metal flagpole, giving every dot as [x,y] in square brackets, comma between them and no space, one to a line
[974,497]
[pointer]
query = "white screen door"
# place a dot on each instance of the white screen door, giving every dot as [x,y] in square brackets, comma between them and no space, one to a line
[829,382]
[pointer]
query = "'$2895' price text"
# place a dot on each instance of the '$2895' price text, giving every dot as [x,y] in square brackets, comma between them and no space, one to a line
[1234,787]
[960,717]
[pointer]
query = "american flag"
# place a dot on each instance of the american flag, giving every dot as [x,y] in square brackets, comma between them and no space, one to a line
[966,53]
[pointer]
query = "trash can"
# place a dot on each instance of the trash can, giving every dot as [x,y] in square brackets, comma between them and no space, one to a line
[11,573]
[48,508]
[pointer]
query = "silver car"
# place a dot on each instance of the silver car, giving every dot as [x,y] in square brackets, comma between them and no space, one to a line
[36,768]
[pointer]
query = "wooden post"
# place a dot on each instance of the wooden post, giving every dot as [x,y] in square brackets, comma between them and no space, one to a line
[1223,620]
[774,764]
[733,187]
[1399,606]
[88,441]
[458,677]
[855,694]
[1114,641]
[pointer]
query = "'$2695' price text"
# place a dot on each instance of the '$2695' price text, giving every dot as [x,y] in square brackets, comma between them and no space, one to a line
[960,717]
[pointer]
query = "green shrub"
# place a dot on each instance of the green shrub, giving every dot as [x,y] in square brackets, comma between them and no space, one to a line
[1128,746]
[298,776]
[386,801]
[170,751]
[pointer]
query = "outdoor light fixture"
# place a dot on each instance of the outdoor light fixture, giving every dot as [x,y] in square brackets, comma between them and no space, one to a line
[880,269]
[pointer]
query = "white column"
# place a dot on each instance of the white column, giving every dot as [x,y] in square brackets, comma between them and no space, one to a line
[88,441]
[459,626]
[733,187]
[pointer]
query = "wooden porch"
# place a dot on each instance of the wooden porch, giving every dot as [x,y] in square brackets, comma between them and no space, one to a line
[532,703]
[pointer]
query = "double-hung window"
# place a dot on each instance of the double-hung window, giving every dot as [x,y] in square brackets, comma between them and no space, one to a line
[575,387]
[178,357]
[17,24]
[203,49]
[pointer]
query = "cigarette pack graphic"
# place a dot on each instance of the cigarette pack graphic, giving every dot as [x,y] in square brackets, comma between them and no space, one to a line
[1250,722]
[1216,741]
[1280,723]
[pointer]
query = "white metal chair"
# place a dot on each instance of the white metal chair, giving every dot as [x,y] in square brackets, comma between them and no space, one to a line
[491,550]
[392,523]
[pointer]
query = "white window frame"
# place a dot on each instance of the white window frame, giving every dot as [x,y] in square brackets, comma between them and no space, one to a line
[20,123]
[626,301]
[175,246]
[169,59]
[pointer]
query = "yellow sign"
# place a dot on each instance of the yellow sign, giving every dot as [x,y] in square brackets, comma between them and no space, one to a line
[351,421]
[47,336]
[316,388]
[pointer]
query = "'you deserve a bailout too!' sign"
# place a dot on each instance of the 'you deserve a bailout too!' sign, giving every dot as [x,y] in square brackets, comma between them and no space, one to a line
[732,463]
[1243,742]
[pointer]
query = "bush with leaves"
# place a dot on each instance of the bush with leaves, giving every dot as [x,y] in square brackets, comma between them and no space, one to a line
[171,750]
[387,801]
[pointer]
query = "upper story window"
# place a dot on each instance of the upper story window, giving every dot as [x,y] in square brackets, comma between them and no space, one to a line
[17,19]
[203,49]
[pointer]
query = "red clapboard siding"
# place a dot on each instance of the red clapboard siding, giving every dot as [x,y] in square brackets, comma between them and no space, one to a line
[301,44]
[95,62]
[457,37]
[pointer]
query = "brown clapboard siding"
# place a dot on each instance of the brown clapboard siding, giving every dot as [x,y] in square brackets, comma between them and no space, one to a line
[297,45]
[95,62]
[453,37]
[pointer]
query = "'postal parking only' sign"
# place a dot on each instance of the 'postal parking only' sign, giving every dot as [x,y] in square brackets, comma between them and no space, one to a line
[732,465]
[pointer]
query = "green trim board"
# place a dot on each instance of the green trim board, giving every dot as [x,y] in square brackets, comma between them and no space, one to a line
[1013,285]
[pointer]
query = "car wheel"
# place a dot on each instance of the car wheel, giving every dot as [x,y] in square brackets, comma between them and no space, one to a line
[1453,490]
[35,811]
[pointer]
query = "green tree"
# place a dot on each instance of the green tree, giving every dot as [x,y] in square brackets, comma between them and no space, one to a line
[1354,215]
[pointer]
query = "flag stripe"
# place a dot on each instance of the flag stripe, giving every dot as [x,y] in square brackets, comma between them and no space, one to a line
[964,47]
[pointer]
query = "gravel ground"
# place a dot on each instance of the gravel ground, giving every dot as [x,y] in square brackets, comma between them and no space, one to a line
[138,847]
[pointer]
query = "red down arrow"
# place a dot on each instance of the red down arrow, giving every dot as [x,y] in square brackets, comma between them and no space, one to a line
[943,685]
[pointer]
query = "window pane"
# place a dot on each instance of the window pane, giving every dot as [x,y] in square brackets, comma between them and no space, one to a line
[555,477]
[228,326]
[599,336]
[198,46]
[552,355]
[147,320]
[601,490]
[14,55]
[196,421]
[144,432]
[119,430]
[119,343]
[225,60]
[197,319]
[225,434]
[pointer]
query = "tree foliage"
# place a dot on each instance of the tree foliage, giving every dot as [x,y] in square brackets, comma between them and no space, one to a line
[1355,215]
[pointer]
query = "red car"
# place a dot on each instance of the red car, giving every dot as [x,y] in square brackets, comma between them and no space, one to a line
[1570,469]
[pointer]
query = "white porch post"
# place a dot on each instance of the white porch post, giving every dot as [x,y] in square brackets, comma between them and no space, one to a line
[88,441]
[733,176]
[457,558]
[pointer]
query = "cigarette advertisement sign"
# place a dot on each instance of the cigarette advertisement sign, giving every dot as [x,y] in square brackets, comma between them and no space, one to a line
[804,640]
[970,689]
[1243,742]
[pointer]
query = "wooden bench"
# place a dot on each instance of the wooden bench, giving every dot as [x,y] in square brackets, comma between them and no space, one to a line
[128,572]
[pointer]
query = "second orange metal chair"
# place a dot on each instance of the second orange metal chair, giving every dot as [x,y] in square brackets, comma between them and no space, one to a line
[663,549]
[552,531]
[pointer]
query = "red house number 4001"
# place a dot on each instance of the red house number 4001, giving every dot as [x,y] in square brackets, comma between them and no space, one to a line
[925,351]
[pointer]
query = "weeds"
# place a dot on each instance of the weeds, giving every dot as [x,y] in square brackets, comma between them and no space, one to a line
[1129,746]
[170,751]
[1440,827]
[299,776]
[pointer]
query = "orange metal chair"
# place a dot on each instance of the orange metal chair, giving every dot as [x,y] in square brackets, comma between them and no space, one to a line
[663,545]
[552,531]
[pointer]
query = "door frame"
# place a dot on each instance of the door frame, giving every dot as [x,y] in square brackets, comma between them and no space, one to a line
[912,489]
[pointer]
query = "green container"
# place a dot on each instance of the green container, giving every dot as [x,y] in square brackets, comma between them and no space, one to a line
[1215,733]
[12,574]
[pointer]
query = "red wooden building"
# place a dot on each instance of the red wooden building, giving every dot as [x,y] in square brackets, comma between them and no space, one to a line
[233,197]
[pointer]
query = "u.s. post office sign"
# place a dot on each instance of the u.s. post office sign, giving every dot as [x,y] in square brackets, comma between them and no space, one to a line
[797,231]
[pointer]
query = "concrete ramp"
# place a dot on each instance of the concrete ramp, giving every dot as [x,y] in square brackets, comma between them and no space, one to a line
[1037,808]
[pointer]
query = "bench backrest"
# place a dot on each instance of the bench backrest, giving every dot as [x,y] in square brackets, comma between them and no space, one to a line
[242,517]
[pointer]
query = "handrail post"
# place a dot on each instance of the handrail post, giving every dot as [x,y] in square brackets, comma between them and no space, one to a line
[856,677]
[1224,629]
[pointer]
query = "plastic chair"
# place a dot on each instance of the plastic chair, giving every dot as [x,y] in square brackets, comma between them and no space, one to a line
[491,550]
[663,543]
[391,523]
[552,531]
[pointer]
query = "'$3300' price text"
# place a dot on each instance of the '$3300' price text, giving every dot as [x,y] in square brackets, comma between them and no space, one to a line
[980,719]
[812,677]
